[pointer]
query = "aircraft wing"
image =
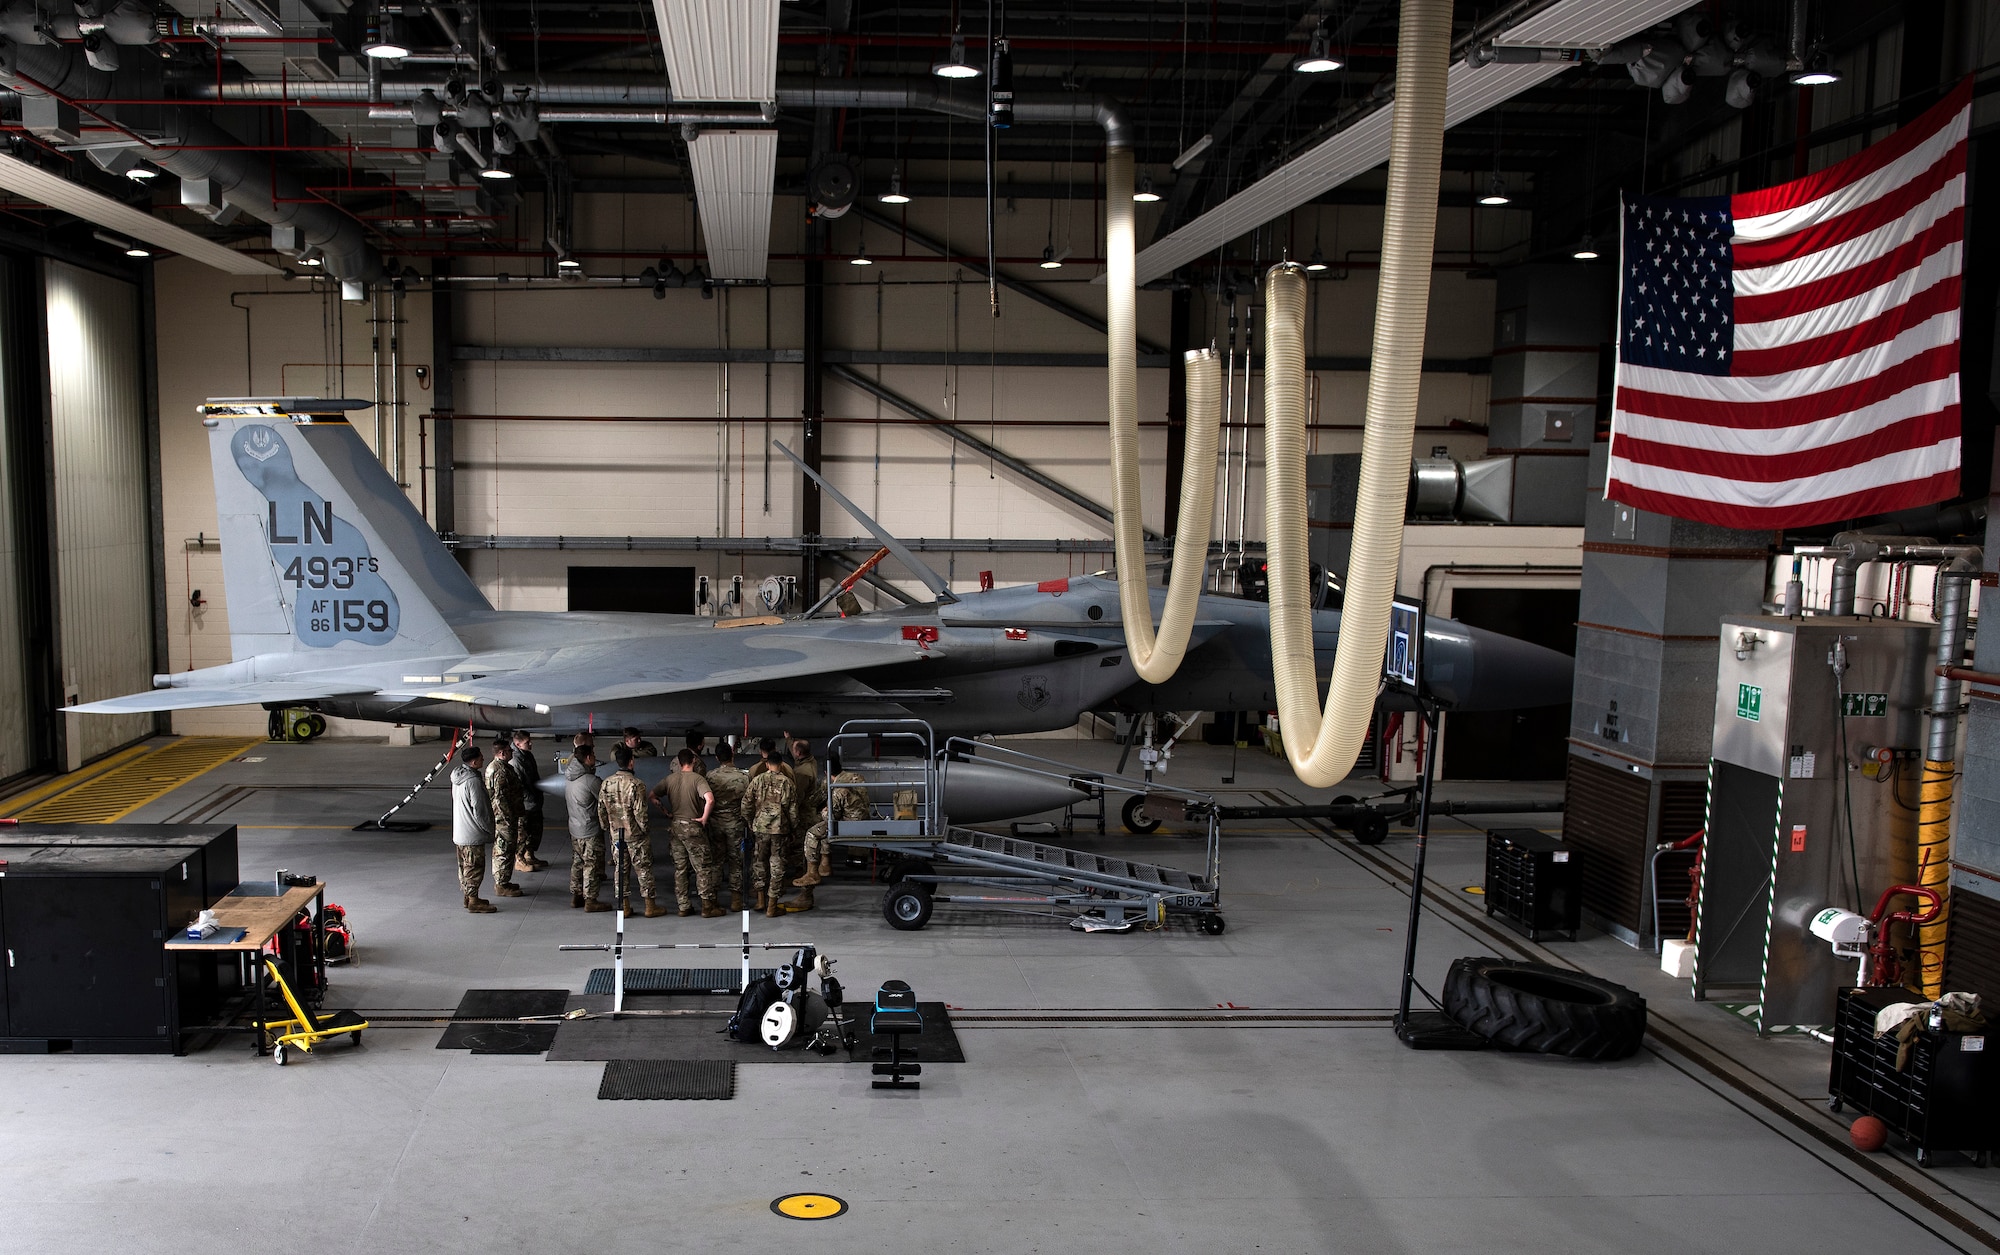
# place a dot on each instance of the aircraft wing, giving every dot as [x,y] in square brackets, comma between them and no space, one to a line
[196,698]
[621,671]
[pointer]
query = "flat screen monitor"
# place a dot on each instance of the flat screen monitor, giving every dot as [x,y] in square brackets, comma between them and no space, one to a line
[1403,665]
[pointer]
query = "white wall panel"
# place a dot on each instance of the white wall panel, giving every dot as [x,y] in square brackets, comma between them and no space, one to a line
[103,525]
[15,745]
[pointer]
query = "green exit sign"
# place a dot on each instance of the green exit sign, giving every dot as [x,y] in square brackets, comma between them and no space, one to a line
[1749,702]
[1864,705]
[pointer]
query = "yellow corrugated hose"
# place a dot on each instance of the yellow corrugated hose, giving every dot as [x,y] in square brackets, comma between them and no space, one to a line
[1322,746]
[1934,870]
[1154,658]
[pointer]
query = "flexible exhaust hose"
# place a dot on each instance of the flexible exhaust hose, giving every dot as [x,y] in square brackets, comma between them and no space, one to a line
[1322,747]
[1154,658]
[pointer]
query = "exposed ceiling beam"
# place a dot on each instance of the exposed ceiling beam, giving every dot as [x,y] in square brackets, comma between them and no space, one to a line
[1364,143]
[53,190]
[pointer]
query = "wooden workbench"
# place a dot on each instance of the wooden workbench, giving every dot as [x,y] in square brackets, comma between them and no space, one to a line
[260,919]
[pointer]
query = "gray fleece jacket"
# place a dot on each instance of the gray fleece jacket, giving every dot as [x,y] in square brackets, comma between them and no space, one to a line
[581,794]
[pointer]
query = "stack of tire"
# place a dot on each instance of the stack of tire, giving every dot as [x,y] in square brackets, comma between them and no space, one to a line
[1544,1009]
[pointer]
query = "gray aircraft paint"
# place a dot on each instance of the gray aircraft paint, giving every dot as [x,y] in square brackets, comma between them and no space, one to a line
[1010,660]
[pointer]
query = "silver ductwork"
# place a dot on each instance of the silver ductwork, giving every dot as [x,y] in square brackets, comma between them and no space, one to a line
[199,150]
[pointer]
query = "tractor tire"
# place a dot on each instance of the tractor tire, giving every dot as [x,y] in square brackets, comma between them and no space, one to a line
[1548,1010]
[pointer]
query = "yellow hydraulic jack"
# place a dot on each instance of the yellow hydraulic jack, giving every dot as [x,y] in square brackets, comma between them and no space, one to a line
[305,1030]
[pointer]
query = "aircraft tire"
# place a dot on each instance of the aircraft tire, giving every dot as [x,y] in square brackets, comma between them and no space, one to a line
[1543,1009]
[907,907]
[1135,818]
[1370,829]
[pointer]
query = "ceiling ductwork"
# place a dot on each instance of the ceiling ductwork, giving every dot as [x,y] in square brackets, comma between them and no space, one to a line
[190,146]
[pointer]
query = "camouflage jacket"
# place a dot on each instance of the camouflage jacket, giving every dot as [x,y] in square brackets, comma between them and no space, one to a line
[729,785]
[848,803]
[621,804]
[769,804]
[503,785]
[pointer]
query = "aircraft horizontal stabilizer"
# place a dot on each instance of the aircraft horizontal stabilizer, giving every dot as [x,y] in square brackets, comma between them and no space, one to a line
[196,699]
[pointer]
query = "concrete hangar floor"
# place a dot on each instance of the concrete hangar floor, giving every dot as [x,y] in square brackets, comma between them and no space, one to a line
[1144,1091]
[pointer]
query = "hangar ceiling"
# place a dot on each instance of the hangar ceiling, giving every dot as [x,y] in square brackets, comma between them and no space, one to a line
[273,112]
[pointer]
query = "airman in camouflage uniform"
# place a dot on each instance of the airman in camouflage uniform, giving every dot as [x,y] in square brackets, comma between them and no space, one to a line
[503,785]
[726,826]
[687,799]
[621,811]
[841,804]
[770,806]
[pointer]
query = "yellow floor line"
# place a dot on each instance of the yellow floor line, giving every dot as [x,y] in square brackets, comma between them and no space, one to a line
[49,788]
[109,796]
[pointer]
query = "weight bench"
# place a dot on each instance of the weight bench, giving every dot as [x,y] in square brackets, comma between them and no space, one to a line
[896,1017]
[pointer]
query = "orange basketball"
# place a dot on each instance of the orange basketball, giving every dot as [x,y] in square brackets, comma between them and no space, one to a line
[1868,1133]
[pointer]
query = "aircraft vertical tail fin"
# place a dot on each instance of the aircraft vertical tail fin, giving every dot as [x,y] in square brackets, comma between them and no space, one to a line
[321,550]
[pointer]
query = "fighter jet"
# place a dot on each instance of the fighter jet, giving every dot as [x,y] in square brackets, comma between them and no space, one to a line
[342,599]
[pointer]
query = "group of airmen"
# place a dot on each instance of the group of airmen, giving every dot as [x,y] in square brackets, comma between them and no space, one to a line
[774,817]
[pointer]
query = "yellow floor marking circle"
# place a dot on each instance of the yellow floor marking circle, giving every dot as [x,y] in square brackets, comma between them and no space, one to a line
[809,1206]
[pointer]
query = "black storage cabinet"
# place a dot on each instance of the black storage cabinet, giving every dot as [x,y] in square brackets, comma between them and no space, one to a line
[1532,882]
[84,917]
[1944,1100]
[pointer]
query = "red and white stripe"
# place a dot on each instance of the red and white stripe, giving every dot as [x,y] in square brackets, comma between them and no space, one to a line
[1843,395]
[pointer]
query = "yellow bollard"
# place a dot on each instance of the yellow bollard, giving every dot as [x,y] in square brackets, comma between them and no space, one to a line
[1934,871]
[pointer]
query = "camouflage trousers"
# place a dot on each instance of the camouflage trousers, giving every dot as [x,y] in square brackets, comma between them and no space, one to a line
[818,845]
[639,859]
[506,845]
[694,860]
[728,839]
[531,833]
[471,867]
[586,865]
[769,859]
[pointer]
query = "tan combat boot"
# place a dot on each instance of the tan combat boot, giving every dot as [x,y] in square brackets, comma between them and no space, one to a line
[508,891]
[522,863]
[575,900]
[594,907]
[478,905]
[653,909]
[811,878]
[804,902]
[826,866]
[773,908]
[710,909]
[762,901]
[735,899]
[685,911]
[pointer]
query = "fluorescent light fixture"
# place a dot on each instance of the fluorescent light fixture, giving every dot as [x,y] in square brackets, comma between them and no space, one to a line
[956,66]
[1145,195]
[1496,192]
[1194,150]
[1586,249]
[894,196]
[1318,60]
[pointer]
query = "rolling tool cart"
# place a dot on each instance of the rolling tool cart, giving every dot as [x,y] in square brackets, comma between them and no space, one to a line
[305,1029]
[1532,882]
[1942,1100]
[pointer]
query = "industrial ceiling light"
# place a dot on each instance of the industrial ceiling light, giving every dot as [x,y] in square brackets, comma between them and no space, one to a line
[311,257]
[1317,262]
[142,173]
[1317,60]
[137,250]
[1049,259]
[1145,195]
[567,263]
[1496,191]
[131,248]
[860,257]
[381,42]
[1586,249]
[956,66]
[1817,71]
[495,171]
[894,196]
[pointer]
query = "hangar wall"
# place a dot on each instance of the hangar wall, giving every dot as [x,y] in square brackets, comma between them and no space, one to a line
[704,477]
[17,751]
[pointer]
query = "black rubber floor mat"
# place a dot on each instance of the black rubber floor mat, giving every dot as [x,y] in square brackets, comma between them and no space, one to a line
[498,1039]
[508,1004]
[675,980]
[938,1043]
[668,1078]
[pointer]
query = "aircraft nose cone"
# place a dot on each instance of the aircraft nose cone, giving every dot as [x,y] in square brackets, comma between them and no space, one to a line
[1511,674]
[977,793]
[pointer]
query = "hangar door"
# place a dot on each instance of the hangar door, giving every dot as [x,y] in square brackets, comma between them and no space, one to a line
[98,442]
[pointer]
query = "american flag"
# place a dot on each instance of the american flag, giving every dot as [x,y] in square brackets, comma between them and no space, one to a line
[1790,357]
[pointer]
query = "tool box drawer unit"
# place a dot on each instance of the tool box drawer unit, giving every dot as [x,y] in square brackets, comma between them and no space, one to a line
[1532,883]
[85,913]
[1945,1099]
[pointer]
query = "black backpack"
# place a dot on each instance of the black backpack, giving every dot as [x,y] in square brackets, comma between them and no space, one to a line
[750,1008]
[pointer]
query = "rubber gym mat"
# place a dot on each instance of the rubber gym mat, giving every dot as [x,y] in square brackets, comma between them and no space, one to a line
[699,1036]
[498,1039]
[675,980]
[510,1004]
[668,1078]
[938,1043]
